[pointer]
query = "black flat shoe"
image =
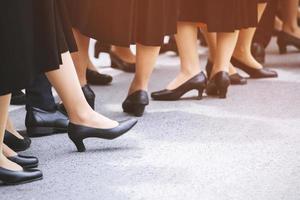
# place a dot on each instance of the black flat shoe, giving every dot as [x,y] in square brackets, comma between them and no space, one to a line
[89,95]
[218,85]
[78,133]
[42,122]
[18,98]
[96,78]
[285,39]
[9,177]
[16,143]
[254,72]
[27,162]
[136,103]
[198,82]
[235,79]
[118,63]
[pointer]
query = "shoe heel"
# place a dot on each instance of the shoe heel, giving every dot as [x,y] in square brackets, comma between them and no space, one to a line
[223,92]
[136,110]
[200,93]
[282,47]
[79,144]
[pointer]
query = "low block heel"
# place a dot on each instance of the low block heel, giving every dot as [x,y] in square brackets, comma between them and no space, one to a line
[223,93]
[79,144]
[200,93]
[282,48]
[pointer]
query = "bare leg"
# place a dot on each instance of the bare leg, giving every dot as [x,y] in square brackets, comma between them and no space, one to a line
[226,43]
[243,47]
[66,83]
[186,40]
[146,58]
[124,53]
[290,17]
[4,162]
[211,39]
[81,58]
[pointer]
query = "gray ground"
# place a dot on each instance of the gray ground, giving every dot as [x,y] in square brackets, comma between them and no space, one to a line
[246,147]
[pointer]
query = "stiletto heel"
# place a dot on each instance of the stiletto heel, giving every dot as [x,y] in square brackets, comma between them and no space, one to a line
[136,103]
[218,85]
[198,82]
[77,133]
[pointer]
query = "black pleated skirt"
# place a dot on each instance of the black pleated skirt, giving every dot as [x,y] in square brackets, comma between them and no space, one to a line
[125,22]
[220,15]
[33,35]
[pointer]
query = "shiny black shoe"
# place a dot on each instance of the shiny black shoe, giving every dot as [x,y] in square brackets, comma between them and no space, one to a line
[89,95]
[16,143]
[78,133]
[285,39]
[18,98]
[42,123]
[218,85]
[235,79]
[136,103]
[9,177]
[96,78]
[27,162]
[254,72]
[258,52]
[118,63]
[198,82]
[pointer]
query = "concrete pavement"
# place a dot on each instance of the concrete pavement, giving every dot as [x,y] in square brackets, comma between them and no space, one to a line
[246,147]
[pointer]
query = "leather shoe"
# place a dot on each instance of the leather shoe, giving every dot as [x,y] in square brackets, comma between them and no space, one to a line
[27,162]
[9,177]
[42,123]
[16,143]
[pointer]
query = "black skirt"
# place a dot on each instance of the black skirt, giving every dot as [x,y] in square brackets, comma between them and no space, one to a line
[220,15]
[33,35]
[125,22]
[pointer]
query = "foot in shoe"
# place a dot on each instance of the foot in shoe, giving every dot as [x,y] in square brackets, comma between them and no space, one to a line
[252,71]
[16,143]
[136,103]
[119,63]
[218,85]
[288,38]
[18,98]
[89,95]
[77,133]
[197,82]
[13,174]
[41,122]
[95,78]
[235,78]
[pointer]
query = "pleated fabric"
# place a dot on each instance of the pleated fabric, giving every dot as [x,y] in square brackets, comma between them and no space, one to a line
[33,36]
[220,15]
[125,22]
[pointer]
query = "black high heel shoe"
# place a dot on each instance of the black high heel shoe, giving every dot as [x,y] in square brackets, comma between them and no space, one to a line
[9,177]
[96,78]
[254,72]
[89,95]
[101,48]
[218,85]
[77,133]
[27,162]
[198,82]
[18,98]
[235,79]
[136,103]
[285,39]
[118,63]
[16,143]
